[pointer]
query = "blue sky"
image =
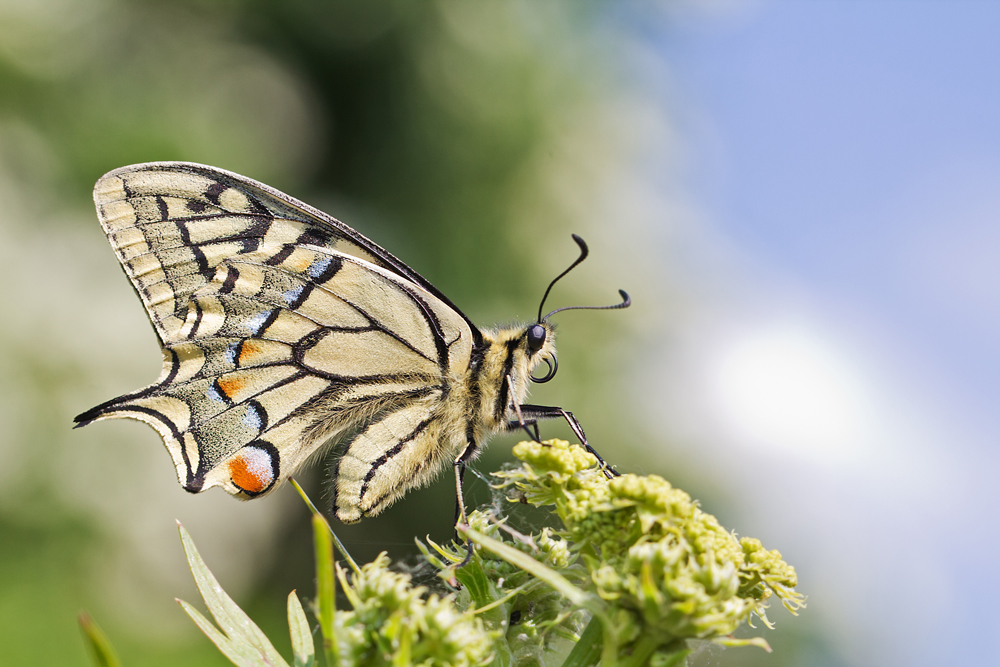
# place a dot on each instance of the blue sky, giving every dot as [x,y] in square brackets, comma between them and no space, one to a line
[848,154]
[856,145]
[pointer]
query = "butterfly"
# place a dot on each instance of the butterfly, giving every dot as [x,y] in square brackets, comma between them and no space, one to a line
[284,330]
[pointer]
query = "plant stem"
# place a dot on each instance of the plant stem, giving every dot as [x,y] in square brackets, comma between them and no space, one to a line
[316,513]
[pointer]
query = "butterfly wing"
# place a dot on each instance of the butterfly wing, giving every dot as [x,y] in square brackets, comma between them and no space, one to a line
[172,223]
[276,341]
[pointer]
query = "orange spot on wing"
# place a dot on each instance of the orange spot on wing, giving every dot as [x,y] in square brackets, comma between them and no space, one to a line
[251,471]
[230,385]
[301,263]
[249,350]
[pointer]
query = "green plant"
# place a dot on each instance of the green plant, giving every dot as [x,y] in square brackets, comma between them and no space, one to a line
[633,571]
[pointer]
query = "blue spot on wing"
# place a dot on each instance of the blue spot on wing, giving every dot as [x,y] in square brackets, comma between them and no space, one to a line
[252,417]
[255,323]
[292,295]
[318,266]
[214,394]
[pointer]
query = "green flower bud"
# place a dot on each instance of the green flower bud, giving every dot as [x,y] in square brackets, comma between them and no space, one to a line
[390,615]
[665,567]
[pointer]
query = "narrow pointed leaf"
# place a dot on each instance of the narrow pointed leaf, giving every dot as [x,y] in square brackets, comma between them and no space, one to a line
[325,588]
[100,646]
[759,642]
[317,514]
[587,651]
[238,654]
[303,648]
[233,622]
[532,566]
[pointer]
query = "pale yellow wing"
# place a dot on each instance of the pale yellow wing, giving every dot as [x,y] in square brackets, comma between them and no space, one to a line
[405,448]
[172,223]
[272,350]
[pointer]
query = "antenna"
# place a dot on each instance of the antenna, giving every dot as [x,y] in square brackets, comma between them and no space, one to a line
[626,302]
[584,251]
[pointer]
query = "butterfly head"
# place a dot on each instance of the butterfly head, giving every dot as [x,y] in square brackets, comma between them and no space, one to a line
[539,345]
[509,362]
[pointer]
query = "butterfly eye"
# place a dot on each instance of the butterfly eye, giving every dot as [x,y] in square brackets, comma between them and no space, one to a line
[536,338]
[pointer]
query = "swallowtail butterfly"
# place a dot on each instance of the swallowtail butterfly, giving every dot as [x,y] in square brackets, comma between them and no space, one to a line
[284,329]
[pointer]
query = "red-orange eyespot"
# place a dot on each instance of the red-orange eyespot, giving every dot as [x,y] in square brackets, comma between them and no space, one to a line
[252,470]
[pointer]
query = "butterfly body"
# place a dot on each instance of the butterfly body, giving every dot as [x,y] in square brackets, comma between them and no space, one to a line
[284,330]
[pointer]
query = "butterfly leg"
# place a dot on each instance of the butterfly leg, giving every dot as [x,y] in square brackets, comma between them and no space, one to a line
[535,412]
[530,427]
[521,422]
[461,518]
[535,435]
[460,515]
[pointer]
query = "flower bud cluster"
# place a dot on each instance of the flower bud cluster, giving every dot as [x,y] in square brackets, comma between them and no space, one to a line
[390,617]
[665,568]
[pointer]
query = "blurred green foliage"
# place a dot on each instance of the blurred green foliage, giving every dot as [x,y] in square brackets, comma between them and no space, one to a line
[428,126]
[464,137]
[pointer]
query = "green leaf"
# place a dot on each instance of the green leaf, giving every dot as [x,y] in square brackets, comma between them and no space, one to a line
[238,654]
[100,646]
[302,640]
[539,570]
[759,642]
[325,588]
[240,639]
[587,651]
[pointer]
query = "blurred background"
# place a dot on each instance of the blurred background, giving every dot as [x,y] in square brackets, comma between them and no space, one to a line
[801,197]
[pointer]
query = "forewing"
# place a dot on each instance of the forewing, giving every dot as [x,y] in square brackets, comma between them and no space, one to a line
[284,348]
[172,224]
